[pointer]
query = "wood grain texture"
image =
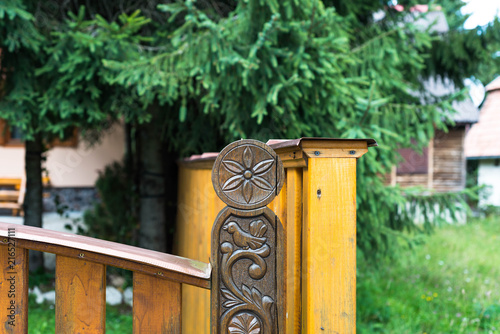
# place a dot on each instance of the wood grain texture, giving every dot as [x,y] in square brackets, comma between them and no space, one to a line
[198,206]
[13,289]
[293,230]
[167,266]
[248,242]
[329,247]
[157,305]
[80,296]
[335,152]
[248,272]
[247,174]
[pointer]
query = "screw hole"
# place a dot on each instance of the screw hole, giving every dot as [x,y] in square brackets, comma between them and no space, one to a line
[352,152]
[318,193]
[81,255]
[316,153]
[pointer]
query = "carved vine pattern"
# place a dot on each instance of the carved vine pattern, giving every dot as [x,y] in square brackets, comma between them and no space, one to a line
[248,310]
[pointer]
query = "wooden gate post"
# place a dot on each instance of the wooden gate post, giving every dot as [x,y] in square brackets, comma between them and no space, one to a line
[248,242]
[317,207]
[328,233]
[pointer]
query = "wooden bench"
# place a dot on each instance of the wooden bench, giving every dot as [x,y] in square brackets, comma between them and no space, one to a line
[12,192]
[247,276]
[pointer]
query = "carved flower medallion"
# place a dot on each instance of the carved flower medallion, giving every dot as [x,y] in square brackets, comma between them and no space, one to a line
[248,174]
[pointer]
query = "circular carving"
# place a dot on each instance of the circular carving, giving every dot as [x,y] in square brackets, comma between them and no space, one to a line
[247,174]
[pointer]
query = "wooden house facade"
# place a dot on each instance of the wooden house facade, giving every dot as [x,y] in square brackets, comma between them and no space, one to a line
[441,166]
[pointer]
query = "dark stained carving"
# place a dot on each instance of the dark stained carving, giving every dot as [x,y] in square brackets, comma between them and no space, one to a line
[245,323]
[247,245]
[247,174]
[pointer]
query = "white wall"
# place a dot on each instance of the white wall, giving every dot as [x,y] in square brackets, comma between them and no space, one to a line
[69,166]
[489,174]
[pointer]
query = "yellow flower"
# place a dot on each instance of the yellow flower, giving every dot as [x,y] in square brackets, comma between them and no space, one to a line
[423,296]
[428,299]
[435,294]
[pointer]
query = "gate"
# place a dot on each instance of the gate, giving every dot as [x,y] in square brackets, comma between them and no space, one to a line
[287,273]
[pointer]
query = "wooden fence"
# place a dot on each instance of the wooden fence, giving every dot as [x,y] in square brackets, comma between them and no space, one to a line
[293,271]
[317,207]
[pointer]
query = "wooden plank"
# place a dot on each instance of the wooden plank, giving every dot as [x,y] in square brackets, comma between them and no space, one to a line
[80,296]
[329,247]
[111,253]
[157,305]
[9,195]
[393,176]
[198,206]
[13,287]
[293,230]
[335,152]
[430,166]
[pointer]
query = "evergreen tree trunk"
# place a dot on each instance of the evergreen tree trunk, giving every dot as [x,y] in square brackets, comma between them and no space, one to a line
[33,201]
[152,231]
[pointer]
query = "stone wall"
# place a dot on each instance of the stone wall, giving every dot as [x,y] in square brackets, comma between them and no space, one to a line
[69,199]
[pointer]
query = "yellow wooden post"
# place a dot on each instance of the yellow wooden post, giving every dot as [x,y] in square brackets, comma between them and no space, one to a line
[293,249]
[325,234]
[197,208]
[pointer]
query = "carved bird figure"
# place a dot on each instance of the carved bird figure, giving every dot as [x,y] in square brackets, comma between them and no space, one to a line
[244,239]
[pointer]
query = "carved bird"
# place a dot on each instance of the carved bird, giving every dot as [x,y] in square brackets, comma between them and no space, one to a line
[244,239]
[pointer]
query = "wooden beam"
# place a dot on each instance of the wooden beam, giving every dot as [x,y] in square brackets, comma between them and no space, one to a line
[80,296]
[163,265]
[430,166]
[157,305]
[293,230]
[13,288]
[329,247]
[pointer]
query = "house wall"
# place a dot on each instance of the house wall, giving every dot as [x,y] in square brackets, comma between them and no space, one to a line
[413,158]
[446,163]
[449,160]
[69,166]
[489,174]
[412,180]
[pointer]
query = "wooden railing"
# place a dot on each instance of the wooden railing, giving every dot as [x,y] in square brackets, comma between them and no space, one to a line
[289,268]
[81,281]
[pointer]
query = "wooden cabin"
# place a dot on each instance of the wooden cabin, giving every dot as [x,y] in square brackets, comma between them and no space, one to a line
[441,166]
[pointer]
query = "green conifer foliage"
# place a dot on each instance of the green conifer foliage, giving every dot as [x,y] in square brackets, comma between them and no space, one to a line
[224,70]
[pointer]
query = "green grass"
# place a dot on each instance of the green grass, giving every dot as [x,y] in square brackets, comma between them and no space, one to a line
[451,284]
[41,318]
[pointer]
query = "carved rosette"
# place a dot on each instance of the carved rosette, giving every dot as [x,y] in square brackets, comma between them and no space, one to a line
[247,174]
[247,241]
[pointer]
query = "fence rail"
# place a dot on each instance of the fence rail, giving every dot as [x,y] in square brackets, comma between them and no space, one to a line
[81,281]
[286,268]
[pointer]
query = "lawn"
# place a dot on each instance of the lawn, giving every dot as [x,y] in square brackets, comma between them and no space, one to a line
[450,284]
[41,318]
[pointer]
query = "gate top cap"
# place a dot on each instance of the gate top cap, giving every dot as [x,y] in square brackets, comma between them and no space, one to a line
[247,174]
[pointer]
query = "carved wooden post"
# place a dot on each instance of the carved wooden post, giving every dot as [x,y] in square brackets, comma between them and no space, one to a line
[247,242]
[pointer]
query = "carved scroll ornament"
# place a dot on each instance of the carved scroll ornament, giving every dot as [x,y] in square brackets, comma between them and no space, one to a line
[247,245]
